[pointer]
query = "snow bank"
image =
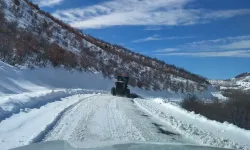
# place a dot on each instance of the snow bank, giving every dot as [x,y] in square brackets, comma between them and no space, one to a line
[197,127]
[153,94]
[11,104]
[29,126]
[23,88]
[172,96]
[15,80]
[219,95]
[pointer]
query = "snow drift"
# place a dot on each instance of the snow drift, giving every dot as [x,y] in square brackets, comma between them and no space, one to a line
[196,127]
[28,126]
[23,88]
[14,80]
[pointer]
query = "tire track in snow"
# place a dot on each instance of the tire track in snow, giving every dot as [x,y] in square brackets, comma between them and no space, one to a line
[33,100]
[118,120]
[79,135]
[22,128]
[40,137]
[98,119]
[145,124]
[72,126]
[106,118]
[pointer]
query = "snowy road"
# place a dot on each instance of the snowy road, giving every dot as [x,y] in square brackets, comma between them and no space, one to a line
[106,118]
[90,120]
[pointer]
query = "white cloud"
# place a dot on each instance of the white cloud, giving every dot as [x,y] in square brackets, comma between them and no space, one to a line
[166,50]
[221,40]
[224,14]
[238,46]
[47,3]
[158,38]
[236,53]
[227,43]
[142,12]
[151,38]
[153,28]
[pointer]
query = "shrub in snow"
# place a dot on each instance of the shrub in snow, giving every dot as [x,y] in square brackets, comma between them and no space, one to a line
[235,110]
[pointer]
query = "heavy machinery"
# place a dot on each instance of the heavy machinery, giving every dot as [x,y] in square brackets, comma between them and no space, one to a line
[121,86]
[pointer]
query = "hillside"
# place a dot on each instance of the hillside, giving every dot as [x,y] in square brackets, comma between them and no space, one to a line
[32,37]
[242,75]
[240,82]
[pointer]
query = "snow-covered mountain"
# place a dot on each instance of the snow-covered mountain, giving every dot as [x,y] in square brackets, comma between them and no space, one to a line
[35,38]
[241,82]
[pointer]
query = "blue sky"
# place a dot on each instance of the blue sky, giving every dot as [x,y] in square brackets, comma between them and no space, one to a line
[207,37]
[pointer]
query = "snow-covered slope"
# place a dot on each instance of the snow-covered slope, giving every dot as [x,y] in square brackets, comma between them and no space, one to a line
[239,82]
[219,95]
[243,82]
[90,53]
[23,88]
[17,80]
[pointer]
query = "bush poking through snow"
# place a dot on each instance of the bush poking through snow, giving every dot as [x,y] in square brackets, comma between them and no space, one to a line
[235,110]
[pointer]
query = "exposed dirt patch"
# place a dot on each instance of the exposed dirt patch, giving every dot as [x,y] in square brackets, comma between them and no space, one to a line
[159,127]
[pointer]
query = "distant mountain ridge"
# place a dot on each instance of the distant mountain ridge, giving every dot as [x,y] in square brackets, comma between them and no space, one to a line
[240,82]
[35,38]
[245,74]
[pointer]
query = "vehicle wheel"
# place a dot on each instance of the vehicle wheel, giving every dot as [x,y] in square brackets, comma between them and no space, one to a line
[113,91]
[128,93]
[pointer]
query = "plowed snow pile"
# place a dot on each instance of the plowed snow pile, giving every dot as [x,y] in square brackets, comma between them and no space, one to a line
[197,127]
